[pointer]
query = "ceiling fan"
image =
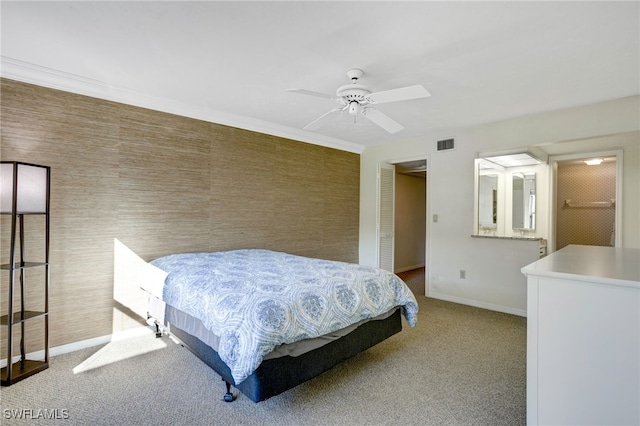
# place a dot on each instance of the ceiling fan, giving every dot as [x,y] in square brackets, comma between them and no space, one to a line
[356,98]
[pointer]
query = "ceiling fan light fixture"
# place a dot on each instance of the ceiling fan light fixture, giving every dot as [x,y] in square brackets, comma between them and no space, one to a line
[355,98]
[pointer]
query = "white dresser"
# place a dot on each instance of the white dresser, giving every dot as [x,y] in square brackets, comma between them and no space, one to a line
[583,337]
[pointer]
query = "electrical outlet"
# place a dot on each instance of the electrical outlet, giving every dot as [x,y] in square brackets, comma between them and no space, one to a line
[435,218]
[463,274]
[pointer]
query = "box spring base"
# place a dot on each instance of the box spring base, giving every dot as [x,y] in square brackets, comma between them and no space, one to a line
[277,375]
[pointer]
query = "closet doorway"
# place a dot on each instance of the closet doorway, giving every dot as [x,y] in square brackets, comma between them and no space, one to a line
[410,205]
[587,199]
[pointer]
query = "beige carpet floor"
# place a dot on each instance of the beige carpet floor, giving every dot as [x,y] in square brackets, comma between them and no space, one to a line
[459,366]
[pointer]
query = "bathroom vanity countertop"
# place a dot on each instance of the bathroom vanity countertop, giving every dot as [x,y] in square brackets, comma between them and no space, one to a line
[504,237]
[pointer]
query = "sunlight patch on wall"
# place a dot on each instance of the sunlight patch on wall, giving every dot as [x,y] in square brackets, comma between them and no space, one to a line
[130,300]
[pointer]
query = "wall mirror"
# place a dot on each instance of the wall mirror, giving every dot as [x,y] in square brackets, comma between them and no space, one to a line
[488,201]
[505,192]
[488,197]
[523,195]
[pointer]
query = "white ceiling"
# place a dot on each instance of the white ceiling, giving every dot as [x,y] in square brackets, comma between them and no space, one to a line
[231,62]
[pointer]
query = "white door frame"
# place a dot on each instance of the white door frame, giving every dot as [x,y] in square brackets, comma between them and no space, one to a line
[427,254]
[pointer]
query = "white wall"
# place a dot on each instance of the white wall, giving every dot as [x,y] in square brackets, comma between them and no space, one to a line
[493,277]
[410,225]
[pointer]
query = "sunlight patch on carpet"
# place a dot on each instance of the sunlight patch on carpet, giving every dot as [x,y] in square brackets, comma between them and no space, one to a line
[119,350]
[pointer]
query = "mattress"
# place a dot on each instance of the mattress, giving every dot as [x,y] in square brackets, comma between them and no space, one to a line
[256,303]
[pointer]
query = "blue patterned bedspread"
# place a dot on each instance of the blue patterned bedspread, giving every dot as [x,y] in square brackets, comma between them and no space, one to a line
[255,300]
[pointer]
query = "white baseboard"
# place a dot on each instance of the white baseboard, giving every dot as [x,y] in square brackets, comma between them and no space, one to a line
[477,304]
[84,344]
[103,340]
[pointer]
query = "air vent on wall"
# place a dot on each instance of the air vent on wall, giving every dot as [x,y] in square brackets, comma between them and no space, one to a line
[445,144]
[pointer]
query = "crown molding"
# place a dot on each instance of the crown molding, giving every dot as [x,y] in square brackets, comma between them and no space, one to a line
[25,72]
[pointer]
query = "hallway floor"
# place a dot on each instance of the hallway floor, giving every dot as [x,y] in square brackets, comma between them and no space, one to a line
[415,279]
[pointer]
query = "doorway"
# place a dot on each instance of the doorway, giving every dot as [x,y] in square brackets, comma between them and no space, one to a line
[586,200]
[410,207]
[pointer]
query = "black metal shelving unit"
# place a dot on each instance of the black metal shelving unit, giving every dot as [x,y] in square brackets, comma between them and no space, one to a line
[14,202]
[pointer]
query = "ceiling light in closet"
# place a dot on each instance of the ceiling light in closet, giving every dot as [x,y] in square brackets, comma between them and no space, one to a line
[594,162]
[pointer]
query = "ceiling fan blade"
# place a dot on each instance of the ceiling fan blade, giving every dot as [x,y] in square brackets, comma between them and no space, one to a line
[382,120]
[401,94]
[317,123]
[311,93]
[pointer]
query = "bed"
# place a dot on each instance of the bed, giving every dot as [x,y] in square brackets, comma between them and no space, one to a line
[267,321]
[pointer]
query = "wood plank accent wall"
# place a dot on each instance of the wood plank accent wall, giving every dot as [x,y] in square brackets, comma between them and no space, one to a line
[159,184]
